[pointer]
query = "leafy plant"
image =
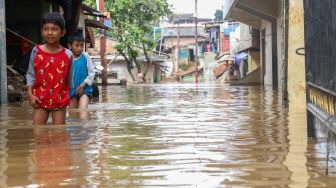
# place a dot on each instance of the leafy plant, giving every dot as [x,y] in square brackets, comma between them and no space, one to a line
[183,67]
[133,23]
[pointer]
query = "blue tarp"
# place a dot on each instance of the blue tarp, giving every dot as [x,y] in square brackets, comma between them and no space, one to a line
[231,28]
[240,56]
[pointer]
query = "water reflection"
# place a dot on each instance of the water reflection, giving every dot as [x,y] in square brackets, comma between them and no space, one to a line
[50,160]
[177,135]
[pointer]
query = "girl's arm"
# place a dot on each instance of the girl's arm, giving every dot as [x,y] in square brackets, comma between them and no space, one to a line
[90,68]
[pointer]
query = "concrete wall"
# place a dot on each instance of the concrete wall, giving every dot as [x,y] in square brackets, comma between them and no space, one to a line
[245,40]
[184,41]
[3,62]
[253,61]
[296,63]
[121,69]
[297,97]
[280,49]
[235,41]
[268,80]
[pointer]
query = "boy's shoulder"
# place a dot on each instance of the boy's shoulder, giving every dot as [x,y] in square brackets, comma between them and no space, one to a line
[86,55]
[68,52]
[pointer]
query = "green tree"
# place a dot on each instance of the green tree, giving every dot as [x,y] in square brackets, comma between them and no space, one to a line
[219,15]
[133,23]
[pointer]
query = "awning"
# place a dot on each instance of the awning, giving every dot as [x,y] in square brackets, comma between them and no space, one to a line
[251,12]
[95,23]
[92,12]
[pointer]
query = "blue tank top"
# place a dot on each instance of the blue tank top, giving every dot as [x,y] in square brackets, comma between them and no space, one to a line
[80,72]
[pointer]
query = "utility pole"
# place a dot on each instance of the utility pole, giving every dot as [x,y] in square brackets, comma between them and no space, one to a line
[178,45]
[196,45]
[103,45]
[3,61]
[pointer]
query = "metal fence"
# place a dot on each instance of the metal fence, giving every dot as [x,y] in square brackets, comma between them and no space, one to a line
[320,42]
[320,58]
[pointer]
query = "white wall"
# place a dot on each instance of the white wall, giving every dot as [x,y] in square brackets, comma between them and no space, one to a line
[268,51]
[234,41]
[245,37]
[121,69]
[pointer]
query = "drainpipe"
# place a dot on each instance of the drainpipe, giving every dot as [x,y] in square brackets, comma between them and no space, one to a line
[285,61]
[196,45]
[3,61]
[178,45]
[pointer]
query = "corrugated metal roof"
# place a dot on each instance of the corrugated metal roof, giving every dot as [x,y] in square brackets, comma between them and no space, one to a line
[183,31]
[95,23]
[91,11]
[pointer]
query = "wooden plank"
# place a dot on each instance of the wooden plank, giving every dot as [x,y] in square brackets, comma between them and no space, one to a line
[220,69]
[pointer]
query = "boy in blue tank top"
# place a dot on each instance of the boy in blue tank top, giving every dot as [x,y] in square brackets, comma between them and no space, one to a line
[83,72]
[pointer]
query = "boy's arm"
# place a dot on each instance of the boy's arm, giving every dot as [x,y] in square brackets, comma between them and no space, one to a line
[31,77]
[32,98]
[90,68]
[70,72]
[31,74]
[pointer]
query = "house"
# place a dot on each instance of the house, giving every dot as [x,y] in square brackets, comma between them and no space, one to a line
[117,69]
[247,55]
[178,38]
[265,17]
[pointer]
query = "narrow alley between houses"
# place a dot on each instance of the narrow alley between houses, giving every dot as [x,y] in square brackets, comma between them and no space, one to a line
[167,135]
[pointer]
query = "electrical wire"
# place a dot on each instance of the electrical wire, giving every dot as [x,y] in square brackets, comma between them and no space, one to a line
[13,32]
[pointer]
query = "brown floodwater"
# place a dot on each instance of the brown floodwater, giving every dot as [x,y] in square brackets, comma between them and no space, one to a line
[169,135]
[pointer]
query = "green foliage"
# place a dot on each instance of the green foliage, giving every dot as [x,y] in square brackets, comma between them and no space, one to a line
[90,3]
[133,22]
[183,67]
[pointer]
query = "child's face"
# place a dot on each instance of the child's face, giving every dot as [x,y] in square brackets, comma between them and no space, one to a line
[77,47]
[52,33]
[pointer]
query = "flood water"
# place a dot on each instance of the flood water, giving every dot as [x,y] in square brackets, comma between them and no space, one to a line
[169,135]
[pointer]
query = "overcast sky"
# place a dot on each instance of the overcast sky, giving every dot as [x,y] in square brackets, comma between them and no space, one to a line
[206,8]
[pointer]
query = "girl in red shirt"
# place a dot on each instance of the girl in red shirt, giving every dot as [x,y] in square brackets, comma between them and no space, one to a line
[49,75]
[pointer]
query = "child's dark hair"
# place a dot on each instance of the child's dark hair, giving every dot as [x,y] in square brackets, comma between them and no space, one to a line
[76,36]
[54,18]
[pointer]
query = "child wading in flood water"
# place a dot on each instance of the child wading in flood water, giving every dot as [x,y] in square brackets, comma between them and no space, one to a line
[83,72]
[49,76]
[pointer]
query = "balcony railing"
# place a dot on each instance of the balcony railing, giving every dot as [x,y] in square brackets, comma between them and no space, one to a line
[323,98]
